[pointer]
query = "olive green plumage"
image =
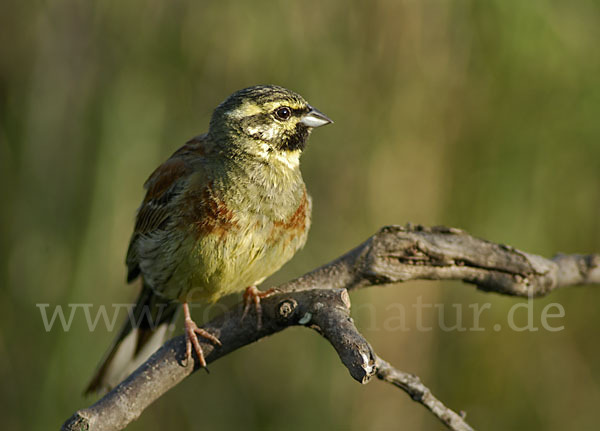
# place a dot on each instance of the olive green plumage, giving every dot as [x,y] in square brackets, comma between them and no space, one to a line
[224,212]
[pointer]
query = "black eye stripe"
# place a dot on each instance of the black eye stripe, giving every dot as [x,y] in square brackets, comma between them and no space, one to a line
[299,111]
[296,112]
[265,118]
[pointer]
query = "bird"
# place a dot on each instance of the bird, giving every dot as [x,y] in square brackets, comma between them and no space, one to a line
[224,212]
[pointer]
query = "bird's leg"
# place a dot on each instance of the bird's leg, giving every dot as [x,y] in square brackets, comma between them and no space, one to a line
[253,295]
[192,331]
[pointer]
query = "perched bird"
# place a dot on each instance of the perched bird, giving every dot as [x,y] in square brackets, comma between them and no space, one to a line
[224,212]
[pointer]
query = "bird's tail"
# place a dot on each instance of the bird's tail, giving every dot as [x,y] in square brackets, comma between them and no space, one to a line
[145,330]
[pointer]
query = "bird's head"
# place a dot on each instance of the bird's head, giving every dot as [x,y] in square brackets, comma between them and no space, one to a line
[266,121]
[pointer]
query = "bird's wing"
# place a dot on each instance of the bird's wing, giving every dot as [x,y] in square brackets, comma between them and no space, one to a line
[162,188]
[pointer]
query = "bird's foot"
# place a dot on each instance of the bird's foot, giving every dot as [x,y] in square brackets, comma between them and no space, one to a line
[253,295]
[191,337]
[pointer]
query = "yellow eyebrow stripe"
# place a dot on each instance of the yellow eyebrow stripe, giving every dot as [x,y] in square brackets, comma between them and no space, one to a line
[248,109]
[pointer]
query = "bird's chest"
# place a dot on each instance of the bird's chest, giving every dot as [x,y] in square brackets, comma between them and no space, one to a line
[240,239]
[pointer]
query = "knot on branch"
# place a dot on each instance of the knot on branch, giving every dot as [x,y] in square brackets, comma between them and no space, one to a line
[286,308]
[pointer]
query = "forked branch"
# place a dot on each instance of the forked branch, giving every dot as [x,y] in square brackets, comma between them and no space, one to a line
[319,300]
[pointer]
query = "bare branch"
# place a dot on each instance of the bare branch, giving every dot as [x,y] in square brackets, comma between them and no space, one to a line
[397,254]
[319,300]
[412,385]
[326,311]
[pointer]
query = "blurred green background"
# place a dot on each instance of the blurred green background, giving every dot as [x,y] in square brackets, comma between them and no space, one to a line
[482,115]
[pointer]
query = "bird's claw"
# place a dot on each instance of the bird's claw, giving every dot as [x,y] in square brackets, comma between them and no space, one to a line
[191,338]
[253,296]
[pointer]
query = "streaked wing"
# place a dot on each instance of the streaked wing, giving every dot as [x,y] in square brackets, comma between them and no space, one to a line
[163,186]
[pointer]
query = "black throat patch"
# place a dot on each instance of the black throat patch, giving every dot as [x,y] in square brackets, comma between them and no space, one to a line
[296,139]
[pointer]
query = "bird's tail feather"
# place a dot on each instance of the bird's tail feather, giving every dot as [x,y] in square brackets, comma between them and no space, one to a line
[147,326]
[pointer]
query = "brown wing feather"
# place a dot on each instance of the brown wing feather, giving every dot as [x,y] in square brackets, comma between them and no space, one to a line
[162,186]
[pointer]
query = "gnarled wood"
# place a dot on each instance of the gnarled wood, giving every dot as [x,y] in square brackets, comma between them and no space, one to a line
[319,300]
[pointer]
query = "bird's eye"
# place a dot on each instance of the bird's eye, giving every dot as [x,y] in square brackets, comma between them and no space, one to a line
[283,113]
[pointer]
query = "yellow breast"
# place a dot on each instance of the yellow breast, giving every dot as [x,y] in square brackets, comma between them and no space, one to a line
[228,249]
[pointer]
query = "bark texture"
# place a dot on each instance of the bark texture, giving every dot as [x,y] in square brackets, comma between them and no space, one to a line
[319,300]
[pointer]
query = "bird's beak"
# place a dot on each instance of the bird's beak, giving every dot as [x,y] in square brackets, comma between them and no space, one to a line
[315,118]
